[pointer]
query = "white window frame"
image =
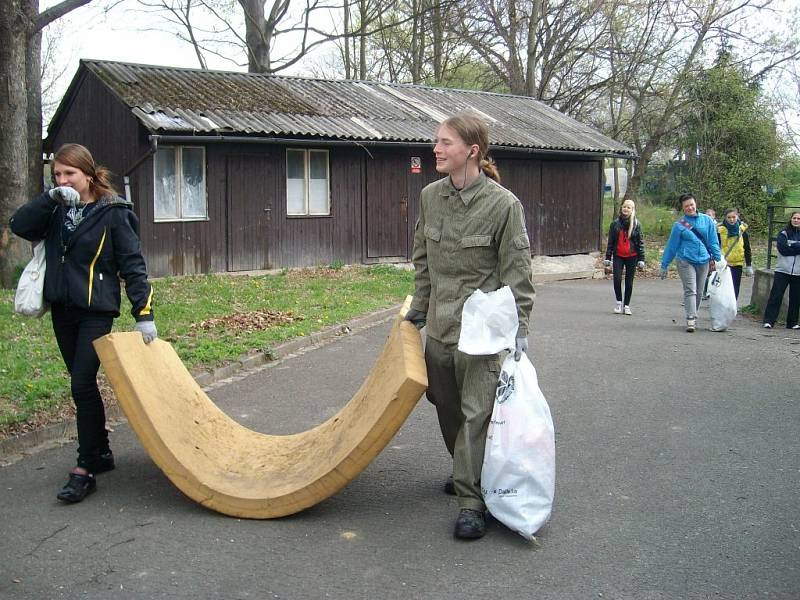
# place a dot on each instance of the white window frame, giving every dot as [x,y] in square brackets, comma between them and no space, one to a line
[307,182]
[179,186]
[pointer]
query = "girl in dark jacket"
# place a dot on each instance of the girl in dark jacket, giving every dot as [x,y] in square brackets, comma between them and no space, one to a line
[91,242]
[626,245]
[787,274]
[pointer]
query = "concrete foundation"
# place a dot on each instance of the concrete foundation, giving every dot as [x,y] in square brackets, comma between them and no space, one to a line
[762,284]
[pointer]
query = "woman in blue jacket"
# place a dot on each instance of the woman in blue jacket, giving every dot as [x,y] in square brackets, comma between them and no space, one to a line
[787,274]
[693,242]
[91,241]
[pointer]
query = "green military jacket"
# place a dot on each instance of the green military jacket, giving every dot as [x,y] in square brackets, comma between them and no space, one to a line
[466,240]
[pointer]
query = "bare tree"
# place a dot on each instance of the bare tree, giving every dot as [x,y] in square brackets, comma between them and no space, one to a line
[543,48]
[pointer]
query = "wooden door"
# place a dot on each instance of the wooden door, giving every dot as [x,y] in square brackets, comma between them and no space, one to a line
[250,208]
[386,204]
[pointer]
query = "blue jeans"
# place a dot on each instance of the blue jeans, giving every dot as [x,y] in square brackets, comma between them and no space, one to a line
[691,275]
[75,331]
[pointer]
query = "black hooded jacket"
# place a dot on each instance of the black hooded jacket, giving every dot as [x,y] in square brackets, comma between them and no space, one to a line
[85,271]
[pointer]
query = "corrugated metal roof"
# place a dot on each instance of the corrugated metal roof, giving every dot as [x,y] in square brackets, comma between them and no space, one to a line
[192,101]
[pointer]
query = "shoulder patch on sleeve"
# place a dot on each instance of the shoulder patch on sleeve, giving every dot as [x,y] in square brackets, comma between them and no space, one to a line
[522,241]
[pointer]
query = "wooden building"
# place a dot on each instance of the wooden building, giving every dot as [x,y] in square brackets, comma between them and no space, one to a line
[238,171]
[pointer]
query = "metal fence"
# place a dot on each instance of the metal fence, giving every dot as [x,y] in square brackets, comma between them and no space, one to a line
[772,235]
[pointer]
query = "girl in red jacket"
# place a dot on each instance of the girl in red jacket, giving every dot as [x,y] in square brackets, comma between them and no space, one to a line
[626,245]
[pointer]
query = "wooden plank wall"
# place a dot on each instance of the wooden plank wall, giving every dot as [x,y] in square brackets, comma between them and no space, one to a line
[561,197]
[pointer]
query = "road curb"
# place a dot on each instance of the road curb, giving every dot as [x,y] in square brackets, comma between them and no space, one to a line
[15,448]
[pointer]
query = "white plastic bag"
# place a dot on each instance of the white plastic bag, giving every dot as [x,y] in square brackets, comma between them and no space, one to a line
[489,322]
[29,299]
[519,464]
[722,300]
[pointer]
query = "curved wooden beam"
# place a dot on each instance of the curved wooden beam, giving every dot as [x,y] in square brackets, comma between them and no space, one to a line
[239,472]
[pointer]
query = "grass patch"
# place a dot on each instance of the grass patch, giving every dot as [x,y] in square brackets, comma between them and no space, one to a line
[750,309]
[656,220]
[210,320]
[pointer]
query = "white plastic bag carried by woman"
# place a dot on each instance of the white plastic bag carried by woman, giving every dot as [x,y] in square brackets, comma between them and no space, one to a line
[29,299]
[722,299]
[519,465]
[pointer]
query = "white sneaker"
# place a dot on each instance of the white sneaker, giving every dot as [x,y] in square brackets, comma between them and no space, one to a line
[795,326]
[767,325]
[628,310]
[618,308]
[690,325]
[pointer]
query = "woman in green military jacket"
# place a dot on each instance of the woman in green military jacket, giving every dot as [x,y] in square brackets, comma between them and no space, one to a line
[470,235]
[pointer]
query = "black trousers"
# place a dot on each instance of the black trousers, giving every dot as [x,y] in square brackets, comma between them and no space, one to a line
[736,275]
[75,331]
[779,284]
[629,264]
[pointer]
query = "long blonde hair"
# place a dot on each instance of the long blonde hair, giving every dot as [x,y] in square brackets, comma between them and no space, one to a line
[473,130]
[632,217]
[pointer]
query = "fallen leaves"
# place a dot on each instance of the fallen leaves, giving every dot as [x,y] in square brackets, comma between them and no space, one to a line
[257,320]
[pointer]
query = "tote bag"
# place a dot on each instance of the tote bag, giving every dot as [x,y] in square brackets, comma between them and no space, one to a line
[29,299]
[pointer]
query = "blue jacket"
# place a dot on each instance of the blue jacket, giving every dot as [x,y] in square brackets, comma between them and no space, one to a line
[789,251]
[684,244]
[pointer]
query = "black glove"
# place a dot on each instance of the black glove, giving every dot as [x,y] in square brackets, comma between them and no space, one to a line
[417,317]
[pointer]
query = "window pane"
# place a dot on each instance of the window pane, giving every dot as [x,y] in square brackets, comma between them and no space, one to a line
[194,185]
[296,182]
[319,165]
[166,206]
[318,197]
[295,197]
[318,185]
[295,164]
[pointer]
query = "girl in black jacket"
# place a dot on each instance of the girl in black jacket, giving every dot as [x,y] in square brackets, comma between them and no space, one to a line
[91,242]
[626,244]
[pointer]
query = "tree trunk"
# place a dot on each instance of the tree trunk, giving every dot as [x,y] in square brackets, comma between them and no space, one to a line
[362,36]
[346,8]
[33,70]
[639,168]
[258,60]
[13,132]
[438,36]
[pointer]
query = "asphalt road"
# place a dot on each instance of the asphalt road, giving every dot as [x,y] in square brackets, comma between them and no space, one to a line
[678,476]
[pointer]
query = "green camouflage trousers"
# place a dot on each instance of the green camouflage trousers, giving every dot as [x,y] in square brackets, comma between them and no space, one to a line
[462,388]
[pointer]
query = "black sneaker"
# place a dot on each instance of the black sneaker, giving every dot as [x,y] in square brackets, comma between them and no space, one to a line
[450,486]
[77,488]
[470,525]
[101,463]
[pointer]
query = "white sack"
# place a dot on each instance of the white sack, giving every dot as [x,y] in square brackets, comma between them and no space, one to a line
[489,322]
[519,465]
[722,300]
[29,299]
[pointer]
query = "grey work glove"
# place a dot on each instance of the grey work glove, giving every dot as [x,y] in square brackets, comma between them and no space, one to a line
[417,317]
[748,271]
[66,196]
[521,348]
[663,273]
[606,263]
[147,329]
[640,264]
